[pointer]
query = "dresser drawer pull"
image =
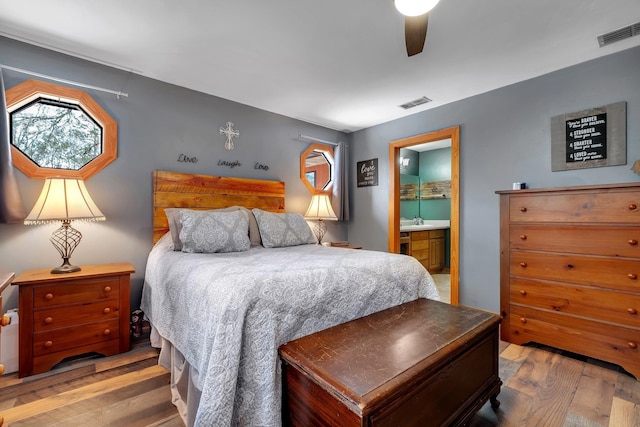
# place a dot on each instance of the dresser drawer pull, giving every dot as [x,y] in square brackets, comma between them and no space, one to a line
[570,266]
[523,320]
[632,345]
[48,320]
[107,288]
[523,237]
[48,297]
[633,206]
[523,293]
[632,311]
[107,310]
[107,331]
[523,209]
[6,321]
[633,242]
[632,276]
[523,264]
[48,344]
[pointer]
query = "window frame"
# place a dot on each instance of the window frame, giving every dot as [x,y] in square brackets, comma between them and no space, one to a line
[31,90]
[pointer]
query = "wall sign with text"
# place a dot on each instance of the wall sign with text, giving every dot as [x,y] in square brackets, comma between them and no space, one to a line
[590,138]
[367,173]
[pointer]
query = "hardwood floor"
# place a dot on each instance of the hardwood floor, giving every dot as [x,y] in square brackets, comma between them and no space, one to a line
[542,387]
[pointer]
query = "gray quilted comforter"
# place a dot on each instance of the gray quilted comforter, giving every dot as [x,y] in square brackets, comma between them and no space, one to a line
[229,313]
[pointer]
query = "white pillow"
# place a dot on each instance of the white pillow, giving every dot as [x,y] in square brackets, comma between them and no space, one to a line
[214,231]
[283,229]
[175,224]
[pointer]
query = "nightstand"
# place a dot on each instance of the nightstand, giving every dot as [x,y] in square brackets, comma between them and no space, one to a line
[63,315]
[345,245]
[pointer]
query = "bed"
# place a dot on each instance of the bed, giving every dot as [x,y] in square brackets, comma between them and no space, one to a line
[220,317]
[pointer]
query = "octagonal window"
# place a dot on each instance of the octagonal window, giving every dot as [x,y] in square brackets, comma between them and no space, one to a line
[56,134]
[58,131]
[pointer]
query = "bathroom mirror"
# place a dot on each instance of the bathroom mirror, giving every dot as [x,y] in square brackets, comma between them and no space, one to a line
[317,170]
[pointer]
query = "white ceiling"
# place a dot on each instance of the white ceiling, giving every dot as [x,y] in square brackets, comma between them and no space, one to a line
[338,63]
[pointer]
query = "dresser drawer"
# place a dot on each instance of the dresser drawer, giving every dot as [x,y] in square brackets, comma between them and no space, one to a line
[76,292]
[602,341]
[54,318]
[622,206]
[623,241]
[75,336]
[612,273]
[420,244]
[582,301]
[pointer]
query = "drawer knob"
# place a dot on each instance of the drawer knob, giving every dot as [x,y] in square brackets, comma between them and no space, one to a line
[633,242]
[107,331]
[523,320]
[632,310]
[48,297]
[632,345]
[633,206]
[1,369]
[523,237]
[523,293]
[523,209]
[523,264]
[107,288]
[632,276]
[107,310]
[48,344]
[5,320]
[48,320]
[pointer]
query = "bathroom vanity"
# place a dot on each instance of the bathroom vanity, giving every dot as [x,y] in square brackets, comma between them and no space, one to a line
[425,242]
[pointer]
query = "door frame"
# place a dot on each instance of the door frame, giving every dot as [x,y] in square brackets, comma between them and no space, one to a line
[452,133]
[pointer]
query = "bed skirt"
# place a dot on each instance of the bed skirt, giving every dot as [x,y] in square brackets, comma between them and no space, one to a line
[184,394]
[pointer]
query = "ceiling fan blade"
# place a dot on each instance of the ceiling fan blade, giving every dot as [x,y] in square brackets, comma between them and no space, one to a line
[415,33]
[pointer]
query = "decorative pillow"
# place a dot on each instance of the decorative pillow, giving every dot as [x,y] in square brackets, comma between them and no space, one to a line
[283,229]
[214,231]
[175,225]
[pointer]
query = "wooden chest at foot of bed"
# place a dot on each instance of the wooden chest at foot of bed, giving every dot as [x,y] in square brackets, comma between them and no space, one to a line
[422,363]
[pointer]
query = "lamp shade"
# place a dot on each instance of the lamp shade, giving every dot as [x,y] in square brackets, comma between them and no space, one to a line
[415,7]
[320,208]
[64,199]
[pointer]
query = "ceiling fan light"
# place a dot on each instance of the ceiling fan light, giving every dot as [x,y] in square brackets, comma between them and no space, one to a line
[415,7]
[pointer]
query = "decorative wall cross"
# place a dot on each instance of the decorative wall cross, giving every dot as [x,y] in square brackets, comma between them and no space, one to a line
[231,133]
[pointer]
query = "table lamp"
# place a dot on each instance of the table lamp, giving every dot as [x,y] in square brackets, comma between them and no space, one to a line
[320,209]
[64,199]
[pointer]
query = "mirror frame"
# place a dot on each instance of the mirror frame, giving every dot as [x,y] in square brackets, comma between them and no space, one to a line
[30,90]
[327,150]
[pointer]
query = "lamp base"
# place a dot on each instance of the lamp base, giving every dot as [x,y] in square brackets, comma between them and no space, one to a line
[65,268]
[319,231]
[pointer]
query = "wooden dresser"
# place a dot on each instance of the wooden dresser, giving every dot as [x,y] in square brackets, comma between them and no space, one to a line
[64,315]
[417,364]
[569,270]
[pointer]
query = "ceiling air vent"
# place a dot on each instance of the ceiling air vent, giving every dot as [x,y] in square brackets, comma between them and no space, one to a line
[415,103]
[620,34]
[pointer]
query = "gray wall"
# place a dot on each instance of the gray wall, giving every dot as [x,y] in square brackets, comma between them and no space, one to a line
[157,123]
[505,138]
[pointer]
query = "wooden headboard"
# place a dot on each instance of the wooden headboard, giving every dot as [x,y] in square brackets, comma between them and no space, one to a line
[187,190]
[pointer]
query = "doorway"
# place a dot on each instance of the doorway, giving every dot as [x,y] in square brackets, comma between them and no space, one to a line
[452,133]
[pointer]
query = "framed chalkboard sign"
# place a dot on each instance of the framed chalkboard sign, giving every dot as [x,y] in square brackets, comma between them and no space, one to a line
[367,174]
[590,138]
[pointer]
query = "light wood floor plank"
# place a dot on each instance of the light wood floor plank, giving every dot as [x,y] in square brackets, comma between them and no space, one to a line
[51,403]
[594,395]
[624,413]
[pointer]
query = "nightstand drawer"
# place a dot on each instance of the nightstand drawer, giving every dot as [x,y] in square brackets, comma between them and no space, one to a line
[55,318]
[76,336]
[75,292]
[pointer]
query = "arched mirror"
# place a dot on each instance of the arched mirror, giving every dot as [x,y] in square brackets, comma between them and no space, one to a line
[317,167]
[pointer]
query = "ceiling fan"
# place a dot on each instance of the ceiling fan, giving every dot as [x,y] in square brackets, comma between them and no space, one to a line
[415,23]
